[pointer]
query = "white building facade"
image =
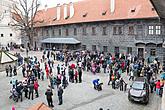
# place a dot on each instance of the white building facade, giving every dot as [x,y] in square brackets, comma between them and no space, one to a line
[8,35]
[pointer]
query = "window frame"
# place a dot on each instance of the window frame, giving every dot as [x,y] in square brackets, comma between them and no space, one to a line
[67,32]
[114,30]
[104,31]
[75,31]
[131,30]
[11,35]
[84,31]
[120,30]
[150,30]
[139,29]
[94,48]
[158,30]
[59,32]
[152,52]
[84,47]
[2,35]
[93,30]
[105,48]
[53,33]
[47,32]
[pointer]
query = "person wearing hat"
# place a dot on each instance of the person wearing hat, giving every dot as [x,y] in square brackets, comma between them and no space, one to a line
[49,95]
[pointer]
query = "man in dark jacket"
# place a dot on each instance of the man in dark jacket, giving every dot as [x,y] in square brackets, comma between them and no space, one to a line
[121,84]
[60,92]
[10,70]
[49,95]
[7,70]
[80,75]
[31,89]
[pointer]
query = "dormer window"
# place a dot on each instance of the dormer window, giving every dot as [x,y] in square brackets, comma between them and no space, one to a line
[104,13]
[85,15]
[133,10]
[67,17]
[153,9]
[54,19]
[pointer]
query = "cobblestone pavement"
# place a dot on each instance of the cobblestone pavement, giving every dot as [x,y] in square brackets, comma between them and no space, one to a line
[79,96]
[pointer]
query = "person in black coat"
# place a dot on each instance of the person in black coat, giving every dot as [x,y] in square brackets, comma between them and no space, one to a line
[60,93]
[80,75]
[49,95]
[31,89]
[121,84]
[10,70]
[7,70]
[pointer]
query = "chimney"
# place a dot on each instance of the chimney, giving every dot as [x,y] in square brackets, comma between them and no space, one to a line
[65,10]
[46,7]
[58,11]
[71,9]
[112,6]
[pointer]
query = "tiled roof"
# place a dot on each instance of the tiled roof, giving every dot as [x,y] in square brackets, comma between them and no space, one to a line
[98,10]
[39,106]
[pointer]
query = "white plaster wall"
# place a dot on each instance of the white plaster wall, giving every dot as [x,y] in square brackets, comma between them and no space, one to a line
[5,28]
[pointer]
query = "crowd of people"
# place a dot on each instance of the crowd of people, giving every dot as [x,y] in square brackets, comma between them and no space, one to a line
[92,62]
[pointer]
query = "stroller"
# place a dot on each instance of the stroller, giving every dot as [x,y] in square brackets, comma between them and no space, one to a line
[98,87]
[117,84]
[14,95]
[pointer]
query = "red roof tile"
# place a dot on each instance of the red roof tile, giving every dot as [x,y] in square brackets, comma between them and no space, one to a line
[93,9]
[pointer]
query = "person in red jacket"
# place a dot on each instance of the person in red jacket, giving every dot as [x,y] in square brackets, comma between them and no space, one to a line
[76,76]
[36,85]
[47,72]
[158,87]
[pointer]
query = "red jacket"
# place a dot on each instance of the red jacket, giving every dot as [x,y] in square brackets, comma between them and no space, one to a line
[36,85]
[158,85]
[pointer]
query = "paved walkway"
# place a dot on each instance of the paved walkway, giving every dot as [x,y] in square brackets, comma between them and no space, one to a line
[79,96]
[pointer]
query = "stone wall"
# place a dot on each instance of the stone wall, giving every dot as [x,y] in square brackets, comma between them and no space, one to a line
[123,41]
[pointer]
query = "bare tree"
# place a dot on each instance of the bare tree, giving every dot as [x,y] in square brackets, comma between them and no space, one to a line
[24,13]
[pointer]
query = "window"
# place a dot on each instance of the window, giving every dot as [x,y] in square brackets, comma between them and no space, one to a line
[84,47]
[75,31]
[150,30]
[130,30]
[42,32]
[47,32]
[93,47]
[53,33]
[114,30]
[140,29]
[1,35]
[104,31]
[67,32]
[120,30]
[116,49]
[11,35]
[129,50]
[158,30]
[105,48]
[153,52]
[59,32]
[93,30]
[84,31]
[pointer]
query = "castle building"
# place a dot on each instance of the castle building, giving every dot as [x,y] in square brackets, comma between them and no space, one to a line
[125,26]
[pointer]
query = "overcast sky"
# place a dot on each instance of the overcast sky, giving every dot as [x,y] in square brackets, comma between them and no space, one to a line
[52,3]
